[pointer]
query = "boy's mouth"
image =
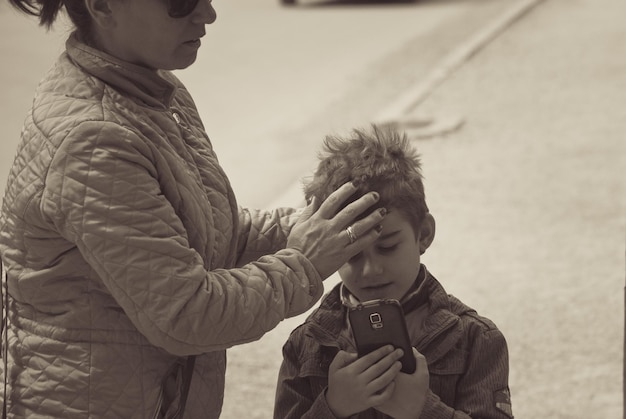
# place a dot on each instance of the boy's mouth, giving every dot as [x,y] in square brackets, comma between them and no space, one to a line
[376,287]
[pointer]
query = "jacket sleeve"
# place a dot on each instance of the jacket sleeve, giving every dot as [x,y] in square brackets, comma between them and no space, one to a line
[103,193]
[263,232]
[294,397]
[482,391]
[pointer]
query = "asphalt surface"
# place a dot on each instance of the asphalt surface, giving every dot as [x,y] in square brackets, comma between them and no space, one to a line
[527,183]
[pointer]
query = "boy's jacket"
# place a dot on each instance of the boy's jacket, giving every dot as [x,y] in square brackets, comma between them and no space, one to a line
[467,360]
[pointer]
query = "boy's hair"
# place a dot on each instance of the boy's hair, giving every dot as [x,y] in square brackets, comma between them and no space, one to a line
[380,160]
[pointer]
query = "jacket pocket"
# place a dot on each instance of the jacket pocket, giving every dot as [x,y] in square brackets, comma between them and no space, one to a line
[169,400]
[315,371]
[445,374]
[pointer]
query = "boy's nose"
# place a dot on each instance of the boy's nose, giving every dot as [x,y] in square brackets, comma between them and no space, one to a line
[371,268]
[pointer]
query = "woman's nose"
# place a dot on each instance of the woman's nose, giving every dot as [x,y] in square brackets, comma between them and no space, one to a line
[204,13]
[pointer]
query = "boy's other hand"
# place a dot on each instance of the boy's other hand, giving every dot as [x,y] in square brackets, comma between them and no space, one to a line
[409,394]
[356,384]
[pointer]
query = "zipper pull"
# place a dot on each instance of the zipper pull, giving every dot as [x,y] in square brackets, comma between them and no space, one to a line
[176,118]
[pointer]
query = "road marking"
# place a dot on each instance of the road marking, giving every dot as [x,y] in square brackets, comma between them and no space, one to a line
[417,93]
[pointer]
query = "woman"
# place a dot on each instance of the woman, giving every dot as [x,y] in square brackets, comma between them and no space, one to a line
[130,267]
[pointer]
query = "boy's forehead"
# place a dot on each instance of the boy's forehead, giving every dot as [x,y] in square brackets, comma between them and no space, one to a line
[394,222]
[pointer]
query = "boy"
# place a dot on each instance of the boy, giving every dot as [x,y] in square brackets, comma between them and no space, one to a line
[462,358]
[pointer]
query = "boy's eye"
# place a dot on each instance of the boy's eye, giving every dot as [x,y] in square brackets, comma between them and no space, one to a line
[387,248]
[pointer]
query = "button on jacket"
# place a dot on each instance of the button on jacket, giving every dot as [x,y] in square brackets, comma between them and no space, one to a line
[466,354]
[126,251]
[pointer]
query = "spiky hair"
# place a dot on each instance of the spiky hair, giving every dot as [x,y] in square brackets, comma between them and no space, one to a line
[379,159]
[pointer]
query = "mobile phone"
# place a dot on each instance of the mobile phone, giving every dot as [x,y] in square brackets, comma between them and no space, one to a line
[377,323]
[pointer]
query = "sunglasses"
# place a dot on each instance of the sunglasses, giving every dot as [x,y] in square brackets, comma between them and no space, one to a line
[181,8]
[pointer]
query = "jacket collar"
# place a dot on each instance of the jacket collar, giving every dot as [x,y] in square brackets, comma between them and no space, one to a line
[143,84]
[326,323]
[415,297]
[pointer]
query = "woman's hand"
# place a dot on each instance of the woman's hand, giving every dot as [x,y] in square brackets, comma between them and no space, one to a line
[329,238]
[356,384]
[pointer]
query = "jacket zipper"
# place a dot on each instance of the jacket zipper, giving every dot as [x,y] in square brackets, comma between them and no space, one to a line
[176,117]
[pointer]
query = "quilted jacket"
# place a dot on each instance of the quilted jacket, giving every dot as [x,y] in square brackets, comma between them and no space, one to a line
[126,251]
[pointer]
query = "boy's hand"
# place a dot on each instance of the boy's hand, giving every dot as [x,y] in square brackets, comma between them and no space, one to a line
[356,384]
[409,395]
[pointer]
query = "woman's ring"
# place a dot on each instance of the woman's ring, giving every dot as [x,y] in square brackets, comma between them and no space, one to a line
[351,234]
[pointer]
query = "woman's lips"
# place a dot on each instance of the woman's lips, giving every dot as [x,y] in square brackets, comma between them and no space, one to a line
[195,43]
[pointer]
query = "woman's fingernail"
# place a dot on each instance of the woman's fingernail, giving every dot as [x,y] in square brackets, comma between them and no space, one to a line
[378,228]
[383,211]
[375,195]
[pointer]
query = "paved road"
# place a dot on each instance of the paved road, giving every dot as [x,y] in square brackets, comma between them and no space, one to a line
[288,76]
[530,200]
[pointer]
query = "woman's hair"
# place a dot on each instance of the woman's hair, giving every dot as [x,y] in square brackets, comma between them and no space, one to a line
[380,160]
[48,10]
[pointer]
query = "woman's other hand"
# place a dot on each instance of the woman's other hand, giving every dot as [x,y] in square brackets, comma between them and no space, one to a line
[328,237]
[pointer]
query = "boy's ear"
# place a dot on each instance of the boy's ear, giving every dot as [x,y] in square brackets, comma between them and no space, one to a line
[427,232]
[101,12]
